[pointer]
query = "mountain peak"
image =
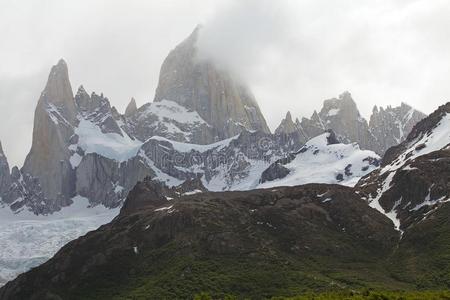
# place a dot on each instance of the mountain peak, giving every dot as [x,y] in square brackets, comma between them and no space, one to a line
[221,99]
[58,91]
[287,126]
[346,95]
[5,178]
[288,116]
[131,108]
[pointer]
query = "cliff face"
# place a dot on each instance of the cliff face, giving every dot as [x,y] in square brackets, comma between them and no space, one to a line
[5,176]
[219,98]
[54,121]
[391,125]
[387,127]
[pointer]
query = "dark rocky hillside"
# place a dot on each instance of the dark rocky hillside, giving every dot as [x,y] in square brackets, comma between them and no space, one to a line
[258,244]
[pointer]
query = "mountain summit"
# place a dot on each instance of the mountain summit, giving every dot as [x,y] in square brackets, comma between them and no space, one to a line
[54,121]
[220,99]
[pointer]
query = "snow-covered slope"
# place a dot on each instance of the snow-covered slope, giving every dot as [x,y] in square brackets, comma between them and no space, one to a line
[320,161]
[91,139]
[171,120]
[436,139]
[27,240]
[391,125]
[413,179]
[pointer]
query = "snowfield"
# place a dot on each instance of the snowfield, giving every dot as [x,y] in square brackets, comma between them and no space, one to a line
[110,145]
[27,240]
[319,162]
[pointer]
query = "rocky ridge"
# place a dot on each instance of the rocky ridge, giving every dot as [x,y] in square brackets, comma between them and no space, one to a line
[387,127]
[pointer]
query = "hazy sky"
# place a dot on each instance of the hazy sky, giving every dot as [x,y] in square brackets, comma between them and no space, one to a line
[293,54]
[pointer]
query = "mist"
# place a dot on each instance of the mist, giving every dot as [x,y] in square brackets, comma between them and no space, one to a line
[292,54]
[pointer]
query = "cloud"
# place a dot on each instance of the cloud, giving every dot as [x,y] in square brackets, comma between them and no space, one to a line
[293,53]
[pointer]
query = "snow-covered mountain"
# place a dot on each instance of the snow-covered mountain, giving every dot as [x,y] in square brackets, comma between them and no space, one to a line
[322,160]
[221,99]
[387,127]
[391,125]
[413,180]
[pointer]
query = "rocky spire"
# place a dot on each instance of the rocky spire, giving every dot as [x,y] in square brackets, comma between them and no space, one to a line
[219,98]
[5,178]
[58,91]
[391,125]
[131,108]
[286,126]
[54,120]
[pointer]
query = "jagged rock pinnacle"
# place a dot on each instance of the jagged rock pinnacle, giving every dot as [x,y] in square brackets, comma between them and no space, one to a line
[131,108]
[220,99]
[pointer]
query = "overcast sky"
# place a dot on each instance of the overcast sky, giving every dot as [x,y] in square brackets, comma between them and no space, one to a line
[293,54]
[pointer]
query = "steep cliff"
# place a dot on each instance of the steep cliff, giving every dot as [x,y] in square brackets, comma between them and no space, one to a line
[54,121]
[220,99]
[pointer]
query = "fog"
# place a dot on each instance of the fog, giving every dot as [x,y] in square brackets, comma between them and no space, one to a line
[293,54]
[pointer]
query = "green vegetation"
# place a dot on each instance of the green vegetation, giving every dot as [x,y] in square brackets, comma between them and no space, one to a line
[352,295]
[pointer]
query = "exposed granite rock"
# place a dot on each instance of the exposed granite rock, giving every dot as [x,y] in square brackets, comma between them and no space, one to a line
[54,121]
[220,99]
[98,110]
[387,127]
[391,125]
[275,171]
[106,181]
[25,192]
[5,176]
[414,179]
[292,132]
[131,108]
[342,116]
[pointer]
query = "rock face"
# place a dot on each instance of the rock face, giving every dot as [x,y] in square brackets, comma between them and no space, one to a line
[268,231]
[342,116]
[5,177]
[220,99]
[293,131]
[287,126]
[391,125]
[131,108]
[387,127]
[54,121]
[413,180]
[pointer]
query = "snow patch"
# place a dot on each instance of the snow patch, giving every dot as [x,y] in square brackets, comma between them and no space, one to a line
[110,145]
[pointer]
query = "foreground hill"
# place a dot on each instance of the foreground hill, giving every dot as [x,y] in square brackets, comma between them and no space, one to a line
[312,236]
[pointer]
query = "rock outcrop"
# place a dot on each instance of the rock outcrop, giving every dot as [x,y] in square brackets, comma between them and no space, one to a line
[220,99]
[343,117]
[131,108]
[413,181]
[5,176]
[387,127]
[54,121]
[292,131]
[391,125]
